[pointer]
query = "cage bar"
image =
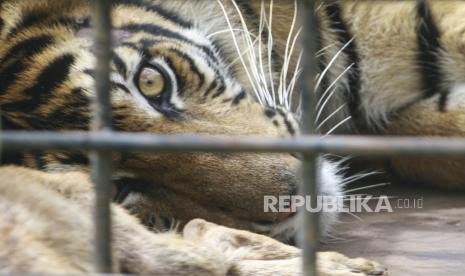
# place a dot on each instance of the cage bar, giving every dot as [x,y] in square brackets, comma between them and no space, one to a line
[11,141]
[309,230]
[101,141]
[101,165]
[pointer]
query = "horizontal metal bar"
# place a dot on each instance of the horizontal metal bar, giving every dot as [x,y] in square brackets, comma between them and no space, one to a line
[120,141]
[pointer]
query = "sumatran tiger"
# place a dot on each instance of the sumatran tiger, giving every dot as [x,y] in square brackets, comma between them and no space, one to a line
[217,68]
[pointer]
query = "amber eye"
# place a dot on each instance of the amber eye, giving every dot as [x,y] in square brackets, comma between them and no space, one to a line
[151,82]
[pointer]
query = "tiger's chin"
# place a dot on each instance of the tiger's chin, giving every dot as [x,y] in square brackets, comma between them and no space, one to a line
[163,209]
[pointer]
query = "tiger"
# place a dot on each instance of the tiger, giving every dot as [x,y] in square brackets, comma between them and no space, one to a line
[177,67]
[395,68]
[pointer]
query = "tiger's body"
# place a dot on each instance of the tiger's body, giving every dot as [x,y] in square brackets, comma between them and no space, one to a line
[406,79]
[47,228]
[172,72]
[175,72]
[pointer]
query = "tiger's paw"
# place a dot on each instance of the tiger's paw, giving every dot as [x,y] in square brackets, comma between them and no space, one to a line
[254,254]
[333,263]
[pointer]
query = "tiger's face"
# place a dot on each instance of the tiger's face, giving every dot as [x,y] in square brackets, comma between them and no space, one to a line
[177,81]
[169,76]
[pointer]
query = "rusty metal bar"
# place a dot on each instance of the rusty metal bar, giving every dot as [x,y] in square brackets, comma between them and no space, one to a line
[101,169]
[11,141]
[309,230]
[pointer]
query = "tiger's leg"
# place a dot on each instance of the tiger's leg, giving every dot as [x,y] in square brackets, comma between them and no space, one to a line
[46,226]
[40,230]
[54,222]
[260,255]
[425,119]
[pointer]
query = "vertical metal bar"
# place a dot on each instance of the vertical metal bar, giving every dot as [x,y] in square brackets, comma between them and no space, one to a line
[309,236]
[101,160]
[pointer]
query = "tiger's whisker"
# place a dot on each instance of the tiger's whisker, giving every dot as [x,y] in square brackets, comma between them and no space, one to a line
[227,30]
[322,50]
[331,62]
[330,116]
[282,79]
[320,110]
[271,100]
[297,72]
[252,57]
[338,125]
[368,187]
[270,50]
[242,54]
[236,44]
[286,66]
[356,177]
[332,84]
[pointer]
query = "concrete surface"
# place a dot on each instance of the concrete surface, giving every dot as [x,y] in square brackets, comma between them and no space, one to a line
[414,241]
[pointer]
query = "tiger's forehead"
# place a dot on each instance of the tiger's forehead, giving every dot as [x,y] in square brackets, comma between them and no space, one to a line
[118,36]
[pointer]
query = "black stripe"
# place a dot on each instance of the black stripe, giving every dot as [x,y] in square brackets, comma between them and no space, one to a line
[219,91]
[147,43]
[51,77]
[72,158]
[20,52]
[9,75]
[75,23]
[28,20]
[41,18]
[429,48]
[270,113]
[160,31]
[179,80]
[321,59]
[39,161]
[166,223]
[120,65]
[90,72]
[7,124]
[120,86]
[130,45]
[118,118]
[2,24]
[11,158]
[155,30]
[288,125]
[210,88]
[239,97]
[27,48]
[333,11]
[169,15]
[443,99]
[74,115]
[193,67]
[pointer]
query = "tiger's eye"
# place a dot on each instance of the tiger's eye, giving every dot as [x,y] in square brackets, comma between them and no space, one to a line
[151,82]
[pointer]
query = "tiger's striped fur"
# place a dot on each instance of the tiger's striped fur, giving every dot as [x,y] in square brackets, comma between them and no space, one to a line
[393,67]
[47,82]
[406,75]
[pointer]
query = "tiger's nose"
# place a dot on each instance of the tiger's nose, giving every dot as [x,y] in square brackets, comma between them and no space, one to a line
[284,216]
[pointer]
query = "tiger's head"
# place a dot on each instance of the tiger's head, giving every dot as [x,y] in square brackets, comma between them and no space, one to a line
[175,70]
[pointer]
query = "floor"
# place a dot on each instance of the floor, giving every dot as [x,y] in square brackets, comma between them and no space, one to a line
[414,241]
